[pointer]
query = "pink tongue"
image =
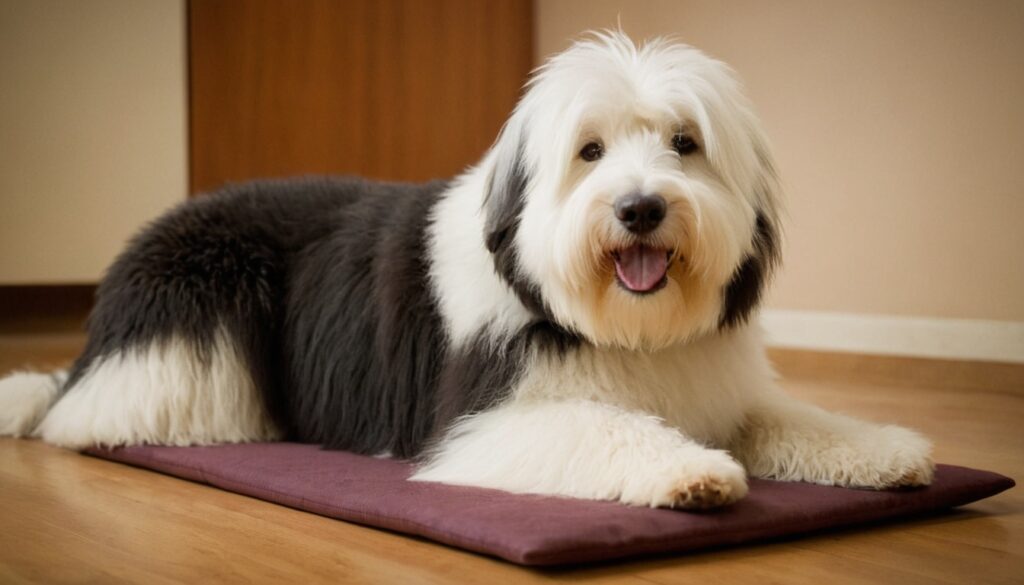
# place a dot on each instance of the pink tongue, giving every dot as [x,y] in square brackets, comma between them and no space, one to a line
[641,267]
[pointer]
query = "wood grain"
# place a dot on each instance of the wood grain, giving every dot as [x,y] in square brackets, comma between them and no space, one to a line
[36,309]
[888,370]
[65,517]
[390,89]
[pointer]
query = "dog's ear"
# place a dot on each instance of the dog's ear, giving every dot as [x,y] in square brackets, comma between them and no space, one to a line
[503,206]
[744,291]
[506,188]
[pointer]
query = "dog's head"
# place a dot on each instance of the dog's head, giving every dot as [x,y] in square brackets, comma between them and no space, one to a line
[632,197]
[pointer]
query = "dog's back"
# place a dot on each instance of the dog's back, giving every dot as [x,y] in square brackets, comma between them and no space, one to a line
[259,312]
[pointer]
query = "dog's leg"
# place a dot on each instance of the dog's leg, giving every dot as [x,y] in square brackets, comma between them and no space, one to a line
[25,397]
[789,440]
[181,337]
[584,449]
[163,393]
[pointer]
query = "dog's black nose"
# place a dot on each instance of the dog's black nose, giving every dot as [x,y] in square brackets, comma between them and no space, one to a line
[640,213]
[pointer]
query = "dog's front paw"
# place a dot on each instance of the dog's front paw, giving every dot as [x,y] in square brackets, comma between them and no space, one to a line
[709,491]
[891,457]
[909,463]
[711,479]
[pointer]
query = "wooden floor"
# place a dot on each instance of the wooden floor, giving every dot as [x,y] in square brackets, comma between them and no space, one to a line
[65,517]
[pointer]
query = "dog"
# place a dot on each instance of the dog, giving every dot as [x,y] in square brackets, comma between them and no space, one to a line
[574,316]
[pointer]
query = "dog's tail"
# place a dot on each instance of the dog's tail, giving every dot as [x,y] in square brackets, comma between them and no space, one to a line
[25,398]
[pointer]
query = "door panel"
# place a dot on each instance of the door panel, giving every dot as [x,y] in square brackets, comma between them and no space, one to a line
[391,89]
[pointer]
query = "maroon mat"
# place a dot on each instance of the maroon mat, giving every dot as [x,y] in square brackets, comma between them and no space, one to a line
[535,530]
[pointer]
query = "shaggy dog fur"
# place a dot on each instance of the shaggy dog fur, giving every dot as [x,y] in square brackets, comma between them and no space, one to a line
[573,316]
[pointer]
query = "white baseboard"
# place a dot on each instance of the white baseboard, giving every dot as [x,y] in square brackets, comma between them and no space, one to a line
[966,339]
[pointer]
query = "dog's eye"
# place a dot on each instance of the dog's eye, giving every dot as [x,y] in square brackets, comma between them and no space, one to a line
[592,151]
[683,144]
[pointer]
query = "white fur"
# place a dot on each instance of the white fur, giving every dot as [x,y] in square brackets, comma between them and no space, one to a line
[646,411]
[788,440]
[611,423]
[462,270]
[585,449]
[161,394]
[701,388]
[633,100]
[656,429]
[24,399]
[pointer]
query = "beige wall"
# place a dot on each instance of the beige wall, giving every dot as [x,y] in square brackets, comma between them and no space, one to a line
[92,130]
[899,130]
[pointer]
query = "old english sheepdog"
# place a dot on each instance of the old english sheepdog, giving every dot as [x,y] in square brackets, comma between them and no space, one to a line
[573,316]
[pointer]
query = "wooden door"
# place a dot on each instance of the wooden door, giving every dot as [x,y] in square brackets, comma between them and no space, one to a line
[391,89]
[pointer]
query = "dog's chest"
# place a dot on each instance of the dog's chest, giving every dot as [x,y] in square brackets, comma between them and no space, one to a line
[702,388]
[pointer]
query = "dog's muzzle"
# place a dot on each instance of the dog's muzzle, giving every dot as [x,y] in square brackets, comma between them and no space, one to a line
[641,268]
[640,214]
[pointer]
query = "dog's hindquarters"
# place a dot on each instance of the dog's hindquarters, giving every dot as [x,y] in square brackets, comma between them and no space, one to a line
[181,325]
[182,340]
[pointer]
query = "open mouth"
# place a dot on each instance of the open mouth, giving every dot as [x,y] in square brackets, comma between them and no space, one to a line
[642,269]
